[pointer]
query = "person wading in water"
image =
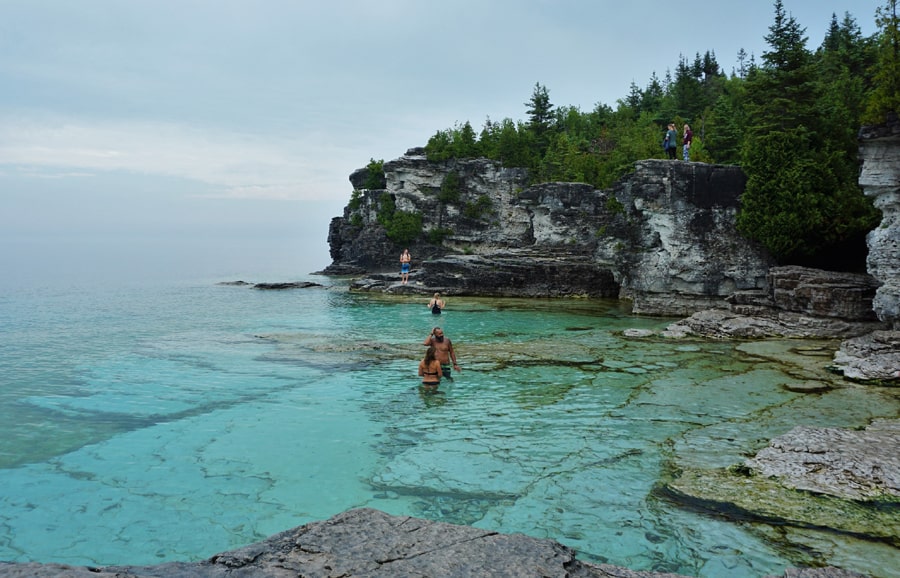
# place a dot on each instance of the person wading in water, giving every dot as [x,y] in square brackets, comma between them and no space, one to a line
[436,304]
[443,351]
[430,370]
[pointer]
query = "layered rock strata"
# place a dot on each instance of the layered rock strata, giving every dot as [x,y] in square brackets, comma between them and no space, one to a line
[848,464]
[798,302]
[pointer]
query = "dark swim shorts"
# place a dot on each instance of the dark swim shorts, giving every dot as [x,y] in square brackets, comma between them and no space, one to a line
[404,267]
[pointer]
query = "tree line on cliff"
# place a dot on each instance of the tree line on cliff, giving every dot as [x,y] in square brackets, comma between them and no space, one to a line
[790,121]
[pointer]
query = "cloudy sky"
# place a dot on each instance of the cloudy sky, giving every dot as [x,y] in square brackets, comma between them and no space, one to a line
[180,139]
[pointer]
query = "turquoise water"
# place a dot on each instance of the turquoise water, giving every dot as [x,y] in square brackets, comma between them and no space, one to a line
[148,424]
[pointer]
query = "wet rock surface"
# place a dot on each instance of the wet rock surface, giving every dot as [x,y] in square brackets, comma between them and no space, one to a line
[370,543]
[804,303]
[513,273]
[286,285]
[850,464]
[828,479]
[798,302]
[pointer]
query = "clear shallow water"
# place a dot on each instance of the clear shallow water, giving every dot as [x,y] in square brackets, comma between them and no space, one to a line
[143,425]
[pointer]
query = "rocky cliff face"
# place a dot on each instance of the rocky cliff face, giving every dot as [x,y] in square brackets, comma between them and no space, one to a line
[880,179]
[664,237]
[686,253]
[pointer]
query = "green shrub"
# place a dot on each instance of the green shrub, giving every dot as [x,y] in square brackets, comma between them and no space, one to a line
[355,200]
[375,178]
[614,207]
[401,227]
[450,189]
[404,227]
[479,209]
[437,236]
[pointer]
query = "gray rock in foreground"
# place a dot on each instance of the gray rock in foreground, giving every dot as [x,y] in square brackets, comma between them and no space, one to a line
[370,543]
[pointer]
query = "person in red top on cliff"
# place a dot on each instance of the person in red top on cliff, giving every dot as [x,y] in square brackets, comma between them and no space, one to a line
[686,142]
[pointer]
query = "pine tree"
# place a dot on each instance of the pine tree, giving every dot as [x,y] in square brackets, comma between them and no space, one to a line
[540,117]
[779,155]
[885,97]
[800,201]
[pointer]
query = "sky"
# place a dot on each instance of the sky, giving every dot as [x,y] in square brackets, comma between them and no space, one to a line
[213,139]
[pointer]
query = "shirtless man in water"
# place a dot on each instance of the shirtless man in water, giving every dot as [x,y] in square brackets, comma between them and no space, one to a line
[443,351]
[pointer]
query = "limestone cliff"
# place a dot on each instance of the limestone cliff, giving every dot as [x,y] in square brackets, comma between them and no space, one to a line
[875,356]
[880,179]
[663,237]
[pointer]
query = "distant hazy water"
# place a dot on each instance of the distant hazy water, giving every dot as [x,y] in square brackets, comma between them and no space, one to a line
[152,424]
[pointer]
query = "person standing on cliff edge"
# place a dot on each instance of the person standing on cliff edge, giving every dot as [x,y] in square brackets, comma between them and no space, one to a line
[405,260]
[671,136]
[687,138]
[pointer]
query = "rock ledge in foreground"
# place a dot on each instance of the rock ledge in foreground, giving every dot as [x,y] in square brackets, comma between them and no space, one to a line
[367,542]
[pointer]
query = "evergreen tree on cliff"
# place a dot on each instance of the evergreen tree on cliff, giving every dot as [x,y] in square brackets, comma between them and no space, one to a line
[885,97]
[800,202]
[540,117]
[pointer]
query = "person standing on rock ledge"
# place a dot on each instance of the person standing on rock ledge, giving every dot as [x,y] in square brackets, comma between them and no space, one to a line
[687,138]
[405,260]
[671,135]
[436,304]
[443,351]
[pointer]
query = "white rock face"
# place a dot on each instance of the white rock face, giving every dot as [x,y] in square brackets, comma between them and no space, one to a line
[689,256]
[880,179]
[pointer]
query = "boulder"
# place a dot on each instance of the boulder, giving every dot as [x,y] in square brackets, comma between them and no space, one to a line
[873,357]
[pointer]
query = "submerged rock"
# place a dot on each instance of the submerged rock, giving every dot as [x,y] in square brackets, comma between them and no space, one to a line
[287,285]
